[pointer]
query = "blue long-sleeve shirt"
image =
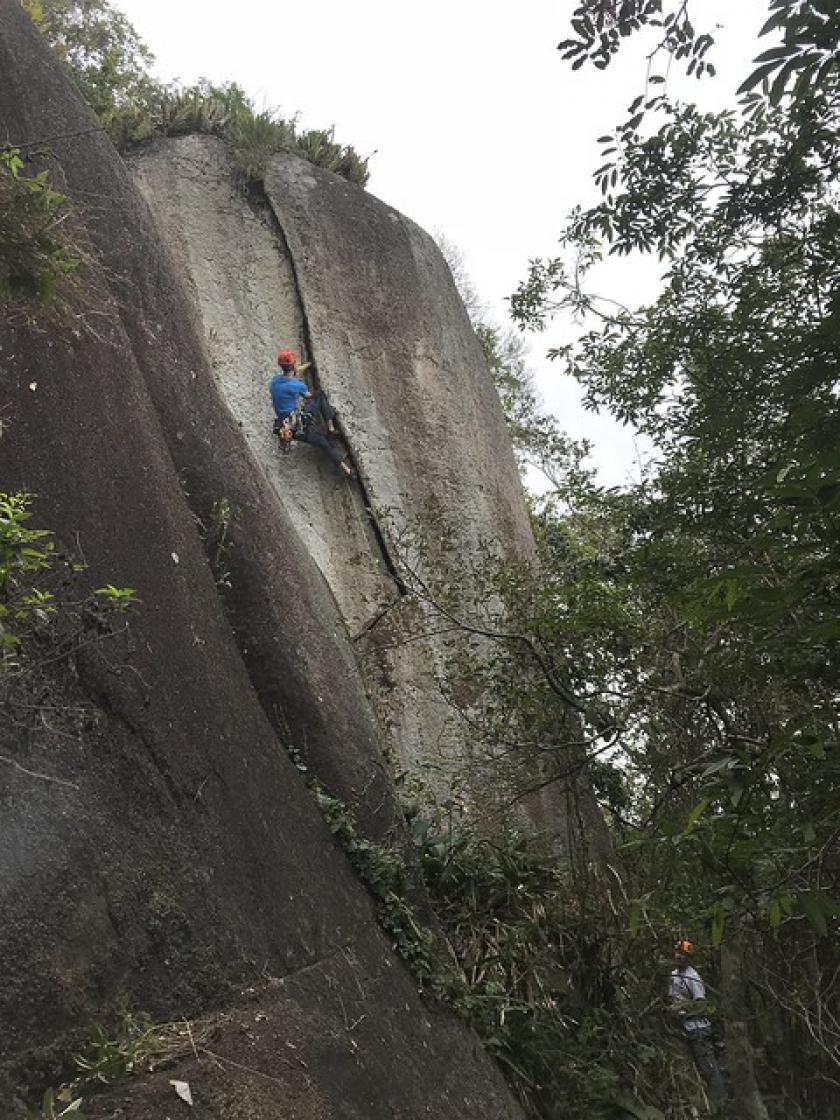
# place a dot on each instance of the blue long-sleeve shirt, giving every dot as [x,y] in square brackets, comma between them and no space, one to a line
[285,392]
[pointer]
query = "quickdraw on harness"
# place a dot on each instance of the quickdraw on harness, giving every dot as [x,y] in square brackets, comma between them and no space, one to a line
[292,426]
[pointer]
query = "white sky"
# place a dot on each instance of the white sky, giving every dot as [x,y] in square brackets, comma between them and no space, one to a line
[476,128]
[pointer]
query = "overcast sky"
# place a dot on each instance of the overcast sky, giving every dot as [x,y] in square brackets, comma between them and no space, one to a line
[476,129]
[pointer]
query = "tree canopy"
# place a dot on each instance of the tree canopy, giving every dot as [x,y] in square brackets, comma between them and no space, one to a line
[695,615]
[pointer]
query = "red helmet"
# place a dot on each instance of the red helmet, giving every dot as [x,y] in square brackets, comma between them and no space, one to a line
[684,946]
[287,358]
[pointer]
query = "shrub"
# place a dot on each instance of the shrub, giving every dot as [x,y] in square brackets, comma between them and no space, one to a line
[37,249]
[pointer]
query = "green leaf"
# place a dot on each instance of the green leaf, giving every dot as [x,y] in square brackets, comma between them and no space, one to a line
[813,907]
[732,593]
[756,78]
[824,631]
[695,815]
[787,71]
[774,53]
[775,915]
[635,1108]
[634,918]
[728,762]
[775,21]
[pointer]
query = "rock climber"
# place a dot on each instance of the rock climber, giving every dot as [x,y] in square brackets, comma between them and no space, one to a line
[302,424]
[686,1002]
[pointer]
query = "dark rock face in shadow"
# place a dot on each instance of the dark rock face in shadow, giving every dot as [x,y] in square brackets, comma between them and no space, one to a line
[166,849]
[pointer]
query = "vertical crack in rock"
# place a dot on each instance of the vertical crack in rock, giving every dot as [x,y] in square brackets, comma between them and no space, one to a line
[335,274]
[234,256]
[310,349]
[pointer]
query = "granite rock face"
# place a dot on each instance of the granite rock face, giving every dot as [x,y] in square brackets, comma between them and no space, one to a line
[157,842]
[355,286]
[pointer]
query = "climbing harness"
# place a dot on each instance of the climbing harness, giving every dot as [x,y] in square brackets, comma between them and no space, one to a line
[292,426]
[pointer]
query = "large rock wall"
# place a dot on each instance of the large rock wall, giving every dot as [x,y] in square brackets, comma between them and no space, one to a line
[346,280]
[157,842]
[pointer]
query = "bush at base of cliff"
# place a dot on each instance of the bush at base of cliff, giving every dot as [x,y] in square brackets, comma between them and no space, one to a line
[534,964]
[553,989]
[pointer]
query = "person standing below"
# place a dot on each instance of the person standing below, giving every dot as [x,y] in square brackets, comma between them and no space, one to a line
[286,389]
[686,999]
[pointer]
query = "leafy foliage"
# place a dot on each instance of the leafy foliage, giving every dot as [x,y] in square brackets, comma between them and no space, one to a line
[26,605]
[54,1105]
[807,56]
[509,950]
[109,63]
[132,1044]
[683,631]
[601,26]
[694,615]
[538,441]
[24,553]
[99,48]
[539,444]
[37,251]
[510,923]
[216,534]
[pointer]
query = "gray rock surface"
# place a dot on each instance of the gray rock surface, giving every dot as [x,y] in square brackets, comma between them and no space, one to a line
[351,283]
[156,841]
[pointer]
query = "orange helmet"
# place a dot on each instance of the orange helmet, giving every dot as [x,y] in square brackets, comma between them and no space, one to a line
[684,946]
[287,358]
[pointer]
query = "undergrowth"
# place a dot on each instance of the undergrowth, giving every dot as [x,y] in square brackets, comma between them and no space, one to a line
[564,999]
[568,1005]
[39,253]
[569,1011]
[132,1044]
[45,619]
[28,605]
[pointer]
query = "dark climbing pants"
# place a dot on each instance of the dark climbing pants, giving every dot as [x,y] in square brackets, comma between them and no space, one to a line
[703,1052]
[319,440]
[316,408]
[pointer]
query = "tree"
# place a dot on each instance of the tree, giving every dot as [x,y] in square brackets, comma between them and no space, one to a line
[717,659]
[539,443]
[806,56]
[100,48]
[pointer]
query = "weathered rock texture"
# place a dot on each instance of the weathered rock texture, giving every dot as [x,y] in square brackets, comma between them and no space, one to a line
[156,841]
[328,269]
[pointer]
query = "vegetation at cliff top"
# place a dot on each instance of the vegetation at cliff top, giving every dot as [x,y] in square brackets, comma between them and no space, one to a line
[40,252]
[110,65]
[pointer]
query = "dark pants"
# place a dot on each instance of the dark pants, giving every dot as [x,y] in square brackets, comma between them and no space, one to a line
[317,408]
[703,1052]
[319,440]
